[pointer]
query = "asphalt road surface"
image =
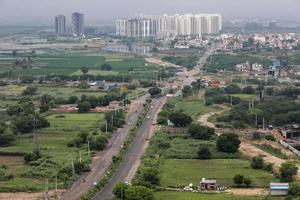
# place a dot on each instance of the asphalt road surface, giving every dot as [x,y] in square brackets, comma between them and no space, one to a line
[130,162]
[103,159]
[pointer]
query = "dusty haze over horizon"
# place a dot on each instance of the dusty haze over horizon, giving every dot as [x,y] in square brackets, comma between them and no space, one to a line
[32,12]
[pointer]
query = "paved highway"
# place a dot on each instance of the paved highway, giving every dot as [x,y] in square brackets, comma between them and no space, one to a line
[130,162]
[104,158]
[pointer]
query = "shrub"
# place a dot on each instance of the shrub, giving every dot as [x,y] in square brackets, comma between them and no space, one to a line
[294,189]
[5,175]
[200,132]
[287,171]
[238,179]
[268,167]
[120,189]
[257,162]
[270,137]
[139,193]
[247,182]
[228,142]
[204,152]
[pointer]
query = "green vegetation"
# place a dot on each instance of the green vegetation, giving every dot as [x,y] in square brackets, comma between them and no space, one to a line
[168,195]
[227,62]
[187,61]
[182,172]
[271,150]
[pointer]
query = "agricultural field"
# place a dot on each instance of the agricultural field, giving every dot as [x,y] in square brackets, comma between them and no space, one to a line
[53,144]
[223,170]
[70,62]
[168,195]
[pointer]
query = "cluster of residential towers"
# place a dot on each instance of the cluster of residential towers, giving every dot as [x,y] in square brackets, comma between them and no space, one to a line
[77,27]
[169,25]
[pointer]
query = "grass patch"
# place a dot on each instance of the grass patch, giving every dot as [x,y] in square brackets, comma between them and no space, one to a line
[95,72]
[176,172]
[168,195]
[271,150]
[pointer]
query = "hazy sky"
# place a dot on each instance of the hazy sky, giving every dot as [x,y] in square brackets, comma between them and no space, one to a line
[43,11]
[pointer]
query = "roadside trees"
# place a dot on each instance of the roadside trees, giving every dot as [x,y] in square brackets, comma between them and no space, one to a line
[200,132]
[139,193]
[155,91]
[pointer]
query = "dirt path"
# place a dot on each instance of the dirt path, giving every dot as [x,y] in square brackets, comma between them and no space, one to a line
[29,196]
[248,192]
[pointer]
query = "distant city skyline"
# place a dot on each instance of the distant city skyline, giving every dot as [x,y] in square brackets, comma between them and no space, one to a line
[33,12]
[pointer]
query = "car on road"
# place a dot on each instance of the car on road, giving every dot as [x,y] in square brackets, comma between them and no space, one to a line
[148,117]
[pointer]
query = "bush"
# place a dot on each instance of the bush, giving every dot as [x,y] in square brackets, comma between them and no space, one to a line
[35,155]
[287,171]
[5,175]
[180,119]
[120,189]
[139,193]
[200,132]
[248,90]
[257,162]
[268,167]
[270,137]
[29,91]
[204,153]
[228,143]
[238,179]
[294,189]
[247,182]
[233,89]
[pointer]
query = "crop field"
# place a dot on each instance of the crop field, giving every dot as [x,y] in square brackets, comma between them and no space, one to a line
[69,63]
[168,195]
[53,143]
[223,170]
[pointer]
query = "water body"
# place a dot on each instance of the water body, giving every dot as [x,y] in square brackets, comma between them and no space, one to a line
[133,49]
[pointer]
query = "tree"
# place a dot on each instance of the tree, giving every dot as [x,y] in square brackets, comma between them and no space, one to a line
[204,153]
[200,132]
[45,103]
[248,90]
[84,85]
[154,91]
[233,89]
[29,91]
[120,189]
[247,181]
[72,99]
[287,171]
[294,189]
[180,119]
[150,176]
[106,67]
[26,123]
[238,179]
[187,90]
[257,162]
[139,193]
[84,70]
[98,142]
[228,142]
[84,107]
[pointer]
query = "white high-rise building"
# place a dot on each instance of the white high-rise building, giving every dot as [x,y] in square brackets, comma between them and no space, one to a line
[166,25]
[60,25]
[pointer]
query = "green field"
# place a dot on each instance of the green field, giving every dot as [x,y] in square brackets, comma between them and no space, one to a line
[53,143]
[176,172]
[167,195]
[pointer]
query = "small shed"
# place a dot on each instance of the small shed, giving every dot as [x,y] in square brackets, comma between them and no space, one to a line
[208,184]
[279,189]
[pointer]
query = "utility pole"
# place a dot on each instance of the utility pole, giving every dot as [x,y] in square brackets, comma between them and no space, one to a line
[256,119]
[80,158]
[46,188]
[230,100]
[106,127]
[73,167]
[56,187]
[35,136]
[263,123]
[88,145]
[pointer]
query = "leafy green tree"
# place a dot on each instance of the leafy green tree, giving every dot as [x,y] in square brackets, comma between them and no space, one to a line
[228,142]
[238,179]
[200,132]
[187,90]
[120,189]
[204,153]
[29,91]
[84,107]
[248,90]
[247,181]
[139,193]
[45,103]
[294,189]
[180,119]
[257,162]
[84,70]
[287,171]
[98,142]
[155,91]
[84,85]
[26,123]
[72,99]
[106,67]
[233,89]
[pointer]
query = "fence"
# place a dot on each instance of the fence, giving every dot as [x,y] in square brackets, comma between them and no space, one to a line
[290,147]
